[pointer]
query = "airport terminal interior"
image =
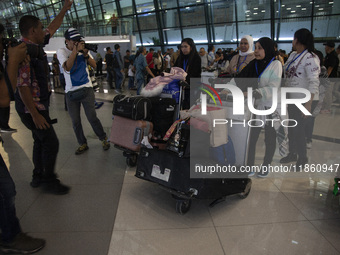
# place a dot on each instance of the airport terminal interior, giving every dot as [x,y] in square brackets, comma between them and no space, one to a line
[111,212]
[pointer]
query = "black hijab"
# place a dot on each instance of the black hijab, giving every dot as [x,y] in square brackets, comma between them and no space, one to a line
[250,70]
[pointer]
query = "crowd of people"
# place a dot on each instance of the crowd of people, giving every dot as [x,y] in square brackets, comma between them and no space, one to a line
[29,77]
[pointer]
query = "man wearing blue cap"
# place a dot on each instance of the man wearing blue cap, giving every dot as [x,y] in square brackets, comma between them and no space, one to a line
[74,58]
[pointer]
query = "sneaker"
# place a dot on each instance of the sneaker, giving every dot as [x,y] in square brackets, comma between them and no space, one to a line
[251,174]
[300,164]
[106,144]
[8,130]
[22,244]
[290,158]
[98,105]
[55,187]
[118,91]
[309,145]
[263,173]
[36,180]
[82,149]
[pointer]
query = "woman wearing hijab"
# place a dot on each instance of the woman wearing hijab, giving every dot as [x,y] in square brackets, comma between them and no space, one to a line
[190,62]
[301,70]
[268,72]
[241,60]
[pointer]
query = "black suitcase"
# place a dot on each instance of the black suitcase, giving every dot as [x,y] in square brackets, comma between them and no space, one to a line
[170,171]
[162,114]
[135,108]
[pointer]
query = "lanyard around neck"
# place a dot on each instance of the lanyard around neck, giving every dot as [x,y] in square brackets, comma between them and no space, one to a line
[294,60]
[185,63]
[263,69]
[239,65]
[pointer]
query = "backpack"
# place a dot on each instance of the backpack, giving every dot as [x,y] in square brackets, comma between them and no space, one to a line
[115,63]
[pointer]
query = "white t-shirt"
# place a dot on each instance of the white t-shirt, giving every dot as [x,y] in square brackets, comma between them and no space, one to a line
[167,58]
[78,77]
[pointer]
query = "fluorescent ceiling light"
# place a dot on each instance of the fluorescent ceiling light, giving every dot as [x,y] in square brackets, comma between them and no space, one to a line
[286,38]
[289,9]
[108,41]
[298,6]
[303,9]
[255,8]
[201,41]
[293,11]
[255,13]
[263,11]
[320,9]
[283,5]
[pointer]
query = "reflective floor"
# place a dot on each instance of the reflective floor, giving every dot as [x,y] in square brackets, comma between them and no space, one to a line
[109,211]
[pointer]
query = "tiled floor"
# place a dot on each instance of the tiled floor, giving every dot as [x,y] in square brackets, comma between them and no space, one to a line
[109,211]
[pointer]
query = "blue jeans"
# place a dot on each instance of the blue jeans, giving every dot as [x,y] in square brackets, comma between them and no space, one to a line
[90,112]
[45,147]
[131,82]
[119,78]
[9,223]
[140,85]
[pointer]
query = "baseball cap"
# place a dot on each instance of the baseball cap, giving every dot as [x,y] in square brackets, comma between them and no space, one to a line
[330,44]
[72,34]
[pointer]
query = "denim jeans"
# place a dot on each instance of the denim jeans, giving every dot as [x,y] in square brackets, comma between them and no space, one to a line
[297,135]
[9,223]
[90,112]
[140,85]
[131,82]
[119,78]
[45,146]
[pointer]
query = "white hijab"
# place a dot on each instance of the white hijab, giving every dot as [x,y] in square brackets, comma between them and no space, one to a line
[250,42]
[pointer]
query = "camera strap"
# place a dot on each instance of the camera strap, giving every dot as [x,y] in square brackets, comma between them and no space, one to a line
[8,83]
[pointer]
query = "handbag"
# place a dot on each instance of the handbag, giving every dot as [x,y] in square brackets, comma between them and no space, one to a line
[77,95]
[179,140]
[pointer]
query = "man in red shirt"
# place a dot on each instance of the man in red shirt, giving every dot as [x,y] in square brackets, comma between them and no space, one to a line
[149,61]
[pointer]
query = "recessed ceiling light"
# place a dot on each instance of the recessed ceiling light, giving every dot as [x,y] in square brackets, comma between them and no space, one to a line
[256,8]
[317,5]
[283,5]
[289,9]
[331,2]
[293,11]
[263,11]
[320,9]
[298,6]
[255,13]
[303,9]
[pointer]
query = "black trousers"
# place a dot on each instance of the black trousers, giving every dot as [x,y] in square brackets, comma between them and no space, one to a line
[297,135]
[269,140]
[4,117]
[45,147]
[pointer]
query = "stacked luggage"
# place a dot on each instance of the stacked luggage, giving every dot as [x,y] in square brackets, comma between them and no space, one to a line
[139,119]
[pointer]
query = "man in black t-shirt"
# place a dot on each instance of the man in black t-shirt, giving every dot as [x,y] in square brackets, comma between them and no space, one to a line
[331,60]
[109,67]
[126,63]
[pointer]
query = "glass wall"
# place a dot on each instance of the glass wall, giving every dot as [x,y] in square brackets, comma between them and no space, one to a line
[167,22]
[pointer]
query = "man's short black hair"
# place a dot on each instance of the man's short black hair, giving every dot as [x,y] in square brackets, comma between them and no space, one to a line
[26,23]
[108,48]
[151,49]
[127,51]
[117,46]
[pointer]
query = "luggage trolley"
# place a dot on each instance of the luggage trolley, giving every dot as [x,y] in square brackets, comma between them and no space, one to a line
[127,133]
[178,182]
